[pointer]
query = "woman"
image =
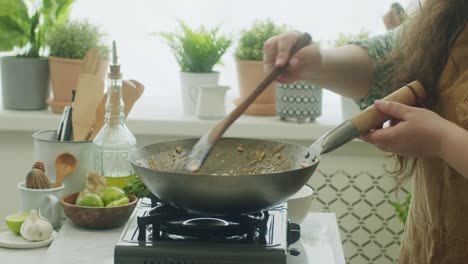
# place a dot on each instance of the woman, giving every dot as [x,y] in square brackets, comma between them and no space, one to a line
[394,17]
[432,47]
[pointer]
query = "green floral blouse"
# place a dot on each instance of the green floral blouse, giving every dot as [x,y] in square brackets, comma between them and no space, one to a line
[377,47]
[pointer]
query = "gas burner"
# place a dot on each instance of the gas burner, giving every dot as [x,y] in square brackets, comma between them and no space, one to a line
[167,222]
[165,234]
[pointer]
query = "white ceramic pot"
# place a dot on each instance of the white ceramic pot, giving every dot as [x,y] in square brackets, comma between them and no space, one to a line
[46,201]
[47,149]
[299,204]
[189,83]
[349,108]
[211,101]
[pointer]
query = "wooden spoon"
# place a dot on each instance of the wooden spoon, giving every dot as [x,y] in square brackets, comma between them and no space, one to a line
[204,145]
[65,164]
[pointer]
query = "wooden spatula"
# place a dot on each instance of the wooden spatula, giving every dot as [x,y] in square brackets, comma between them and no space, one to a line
[131,91]
[204,145]
[89,92]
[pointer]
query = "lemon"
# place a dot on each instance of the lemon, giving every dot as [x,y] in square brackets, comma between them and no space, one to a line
[111,194]
[14,221]
[90,200]
[118,202]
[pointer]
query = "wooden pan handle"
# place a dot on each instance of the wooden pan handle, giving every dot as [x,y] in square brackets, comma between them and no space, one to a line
[219,129]
[371,118]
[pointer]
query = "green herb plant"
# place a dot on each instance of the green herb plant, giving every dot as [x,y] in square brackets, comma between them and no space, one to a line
[74,39]
[137,187]
[251,40]
[402,208]
[23,29]
[197,50]
[344,39]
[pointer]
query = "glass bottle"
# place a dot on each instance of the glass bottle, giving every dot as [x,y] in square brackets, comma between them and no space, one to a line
[114,141]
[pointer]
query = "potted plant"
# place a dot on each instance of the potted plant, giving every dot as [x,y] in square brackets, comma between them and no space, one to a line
[197,51]
[348,107]
[68,45]
[25,77]
[249,60]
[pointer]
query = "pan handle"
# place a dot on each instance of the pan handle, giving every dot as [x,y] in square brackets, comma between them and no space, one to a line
[371,118]
[410,94]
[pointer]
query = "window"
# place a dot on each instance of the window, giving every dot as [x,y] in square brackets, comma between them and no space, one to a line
[147,58]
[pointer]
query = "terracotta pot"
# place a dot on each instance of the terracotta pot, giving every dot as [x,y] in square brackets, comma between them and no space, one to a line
[64,77]
[250,74]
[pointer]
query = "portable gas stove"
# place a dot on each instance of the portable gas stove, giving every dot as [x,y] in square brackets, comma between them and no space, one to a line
[161,234]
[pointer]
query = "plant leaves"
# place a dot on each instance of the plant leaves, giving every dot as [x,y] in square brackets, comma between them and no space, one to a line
[15,9]
[197,50]
[74,39]
[251,42]
[63,10]
[35,41]
[12,34]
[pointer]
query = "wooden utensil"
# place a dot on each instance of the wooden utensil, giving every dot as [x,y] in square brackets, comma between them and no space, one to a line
[370,118]
[203,147]
[36,178]
[89,92]
[65,164]
[131,91]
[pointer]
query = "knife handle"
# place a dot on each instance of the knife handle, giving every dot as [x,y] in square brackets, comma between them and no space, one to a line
[371,118]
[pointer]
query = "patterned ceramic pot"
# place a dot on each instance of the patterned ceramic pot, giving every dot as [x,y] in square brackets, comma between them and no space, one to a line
[298,102]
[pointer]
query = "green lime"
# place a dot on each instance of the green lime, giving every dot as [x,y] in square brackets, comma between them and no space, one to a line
[14,221]
[90,200]
[118,202]
[111,194]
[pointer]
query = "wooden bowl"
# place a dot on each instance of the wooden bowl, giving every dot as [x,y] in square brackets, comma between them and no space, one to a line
[97,217]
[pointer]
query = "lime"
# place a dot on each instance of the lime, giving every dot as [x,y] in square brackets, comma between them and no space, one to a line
[111,194]
[118,202]
[90,200]
[14,221]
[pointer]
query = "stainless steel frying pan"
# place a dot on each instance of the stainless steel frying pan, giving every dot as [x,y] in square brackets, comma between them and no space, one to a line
[247,175]
[239,176]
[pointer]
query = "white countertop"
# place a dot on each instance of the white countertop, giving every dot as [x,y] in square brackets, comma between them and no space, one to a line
[320,243]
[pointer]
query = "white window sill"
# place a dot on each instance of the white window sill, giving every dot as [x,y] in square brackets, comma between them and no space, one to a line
[163,116]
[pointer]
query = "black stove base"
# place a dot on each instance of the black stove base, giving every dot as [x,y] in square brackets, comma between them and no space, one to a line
[276,232]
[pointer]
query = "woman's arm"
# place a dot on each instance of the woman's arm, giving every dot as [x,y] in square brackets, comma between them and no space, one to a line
[352,70]
[346,70]
[422,133]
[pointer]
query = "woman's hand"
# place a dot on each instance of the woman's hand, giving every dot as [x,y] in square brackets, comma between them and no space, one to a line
[419,132]
[302,66]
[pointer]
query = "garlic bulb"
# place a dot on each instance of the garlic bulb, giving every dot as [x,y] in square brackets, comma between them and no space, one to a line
[36,228]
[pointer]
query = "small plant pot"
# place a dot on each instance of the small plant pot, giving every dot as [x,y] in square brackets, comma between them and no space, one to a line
[25,83]
[250,74]
[190,83]
[298,102]
[64,75]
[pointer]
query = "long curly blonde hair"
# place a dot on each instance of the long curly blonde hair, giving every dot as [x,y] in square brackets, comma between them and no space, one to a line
[427,38]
